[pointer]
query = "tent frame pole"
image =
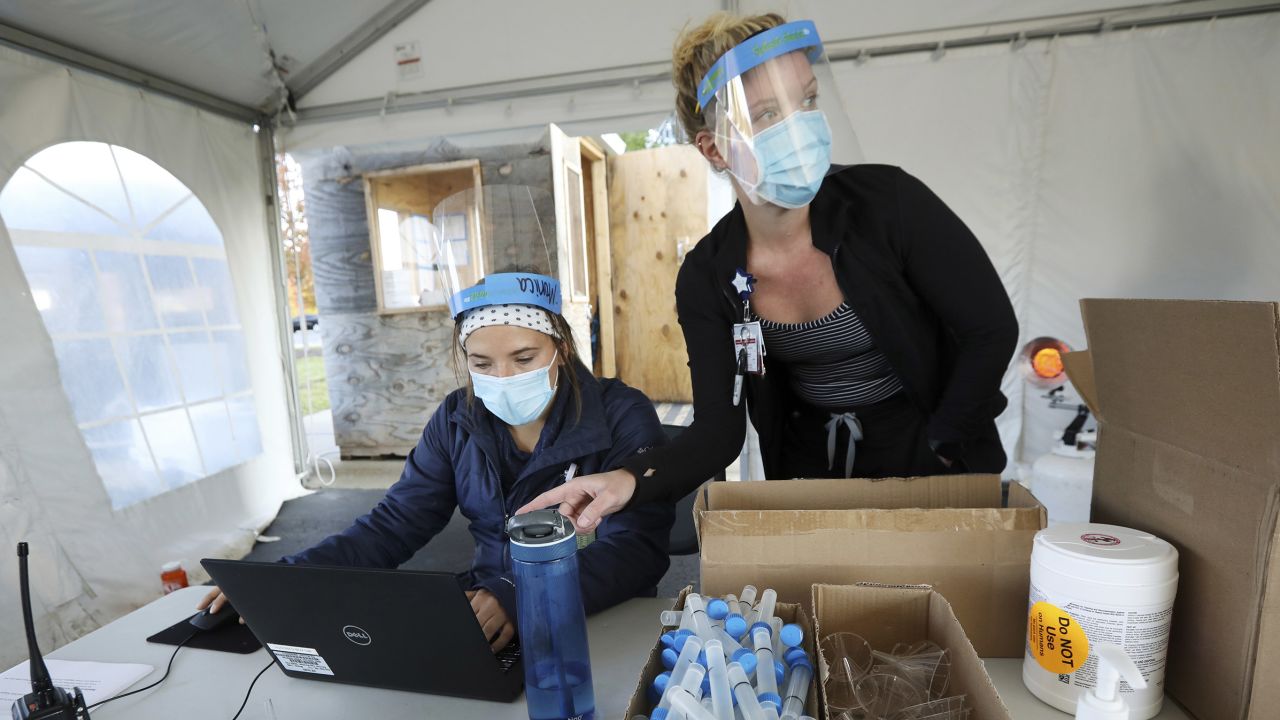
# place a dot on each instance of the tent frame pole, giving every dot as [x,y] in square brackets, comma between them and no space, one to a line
[24,41]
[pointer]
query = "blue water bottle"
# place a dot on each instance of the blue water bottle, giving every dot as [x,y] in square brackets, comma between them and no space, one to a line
[552,624]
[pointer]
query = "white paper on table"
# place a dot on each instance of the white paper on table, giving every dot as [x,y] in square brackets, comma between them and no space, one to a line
[97,680]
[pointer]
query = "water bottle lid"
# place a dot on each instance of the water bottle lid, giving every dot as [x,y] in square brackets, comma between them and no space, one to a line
[541,536]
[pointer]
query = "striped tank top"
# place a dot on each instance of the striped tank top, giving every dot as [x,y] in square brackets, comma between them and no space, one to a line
[833,361]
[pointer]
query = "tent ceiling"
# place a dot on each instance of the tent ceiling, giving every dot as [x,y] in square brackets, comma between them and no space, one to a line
[342,49]
[214,46]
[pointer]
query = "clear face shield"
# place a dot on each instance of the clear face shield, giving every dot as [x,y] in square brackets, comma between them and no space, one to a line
[493,246]
[776,116]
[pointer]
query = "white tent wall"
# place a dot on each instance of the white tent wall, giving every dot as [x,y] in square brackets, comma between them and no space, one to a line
[91,564]
[1132,164]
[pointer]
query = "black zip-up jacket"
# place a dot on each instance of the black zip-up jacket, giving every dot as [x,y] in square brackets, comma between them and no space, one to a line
[922,285]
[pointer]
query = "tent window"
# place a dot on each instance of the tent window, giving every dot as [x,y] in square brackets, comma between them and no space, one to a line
[129,273]
[410,247]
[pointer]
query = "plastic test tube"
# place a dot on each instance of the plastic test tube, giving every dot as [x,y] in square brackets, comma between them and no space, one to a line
[747,599]
[766,680]
[746,694]
[775,631]
[683,701]
[721,700]
[797,690]
[701,623]
[691,684]
[768,599]
[693,646]
[670,618]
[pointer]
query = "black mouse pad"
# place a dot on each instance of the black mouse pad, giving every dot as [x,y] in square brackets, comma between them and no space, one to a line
[231,637]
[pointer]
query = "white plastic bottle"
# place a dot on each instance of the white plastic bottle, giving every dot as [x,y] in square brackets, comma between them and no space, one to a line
[1093,584]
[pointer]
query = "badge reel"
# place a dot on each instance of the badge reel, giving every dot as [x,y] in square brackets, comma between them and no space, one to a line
[748,337]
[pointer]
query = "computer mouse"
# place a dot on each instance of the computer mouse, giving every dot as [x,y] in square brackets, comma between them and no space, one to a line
[205,620]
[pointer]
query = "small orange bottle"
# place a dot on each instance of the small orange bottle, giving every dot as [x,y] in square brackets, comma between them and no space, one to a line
[173,577]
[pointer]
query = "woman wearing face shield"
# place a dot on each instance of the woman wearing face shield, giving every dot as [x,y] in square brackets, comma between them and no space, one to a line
[883,328]
[529,411]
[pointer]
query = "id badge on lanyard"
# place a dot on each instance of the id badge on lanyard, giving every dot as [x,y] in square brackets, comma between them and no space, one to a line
[748,337]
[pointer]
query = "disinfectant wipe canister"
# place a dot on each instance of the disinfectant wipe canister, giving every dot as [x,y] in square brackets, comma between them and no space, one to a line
[552,624]
[1093,584]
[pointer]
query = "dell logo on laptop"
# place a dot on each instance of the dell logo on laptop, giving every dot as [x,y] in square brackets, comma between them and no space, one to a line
[356,635]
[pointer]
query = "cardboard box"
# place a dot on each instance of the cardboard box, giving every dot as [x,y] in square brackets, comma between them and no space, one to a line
[949,532]
[789,612]
[1187,395]
[886,615]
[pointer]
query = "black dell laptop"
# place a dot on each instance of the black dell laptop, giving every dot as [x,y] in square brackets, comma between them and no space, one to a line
[397,629]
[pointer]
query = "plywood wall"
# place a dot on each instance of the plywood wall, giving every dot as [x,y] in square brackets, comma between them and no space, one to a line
[387,372]
[657,212]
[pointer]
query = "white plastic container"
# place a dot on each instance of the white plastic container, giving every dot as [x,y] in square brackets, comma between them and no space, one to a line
[1093,584]
[1062,480]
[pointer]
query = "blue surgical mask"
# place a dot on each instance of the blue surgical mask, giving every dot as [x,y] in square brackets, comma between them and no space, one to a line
[518,399]
[793,157]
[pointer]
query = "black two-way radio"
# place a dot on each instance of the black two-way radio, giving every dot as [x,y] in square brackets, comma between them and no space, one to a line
[45,701]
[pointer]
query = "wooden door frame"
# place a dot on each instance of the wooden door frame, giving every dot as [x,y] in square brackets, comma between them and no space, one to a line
[594,156]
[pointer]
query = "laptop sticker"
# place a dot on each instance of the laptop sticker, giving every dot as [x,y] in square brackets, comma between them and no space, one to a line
[300,659]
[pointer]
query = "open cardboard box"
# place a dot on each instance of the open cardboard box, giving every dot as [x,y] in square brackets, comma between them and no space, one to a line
[789,612]
[1187,396]
[950,532]
[887,615]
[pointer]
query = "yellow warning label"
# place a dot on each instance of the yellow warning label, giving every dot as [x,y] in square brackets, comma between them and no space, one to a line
[1055,639]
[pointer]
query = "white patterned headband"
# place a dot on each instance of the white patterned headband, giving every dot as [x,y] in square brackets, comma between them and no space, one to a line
[525,316]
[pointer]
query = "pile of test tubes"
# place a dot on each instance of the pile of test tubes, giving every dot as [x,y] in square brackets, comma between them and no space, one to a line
[909,682]
[730,658]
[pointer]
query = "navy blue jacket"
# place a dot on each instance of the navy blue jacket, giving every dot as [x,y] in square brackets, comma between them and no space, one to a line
[456,465]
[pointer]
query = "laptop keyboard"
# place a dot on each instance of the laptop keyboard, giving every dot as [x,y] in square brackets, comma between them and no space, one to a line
[509,655]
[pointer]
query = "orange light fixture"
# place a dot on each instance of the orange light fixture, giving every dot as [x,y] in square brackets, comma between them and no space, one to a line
[1041,362]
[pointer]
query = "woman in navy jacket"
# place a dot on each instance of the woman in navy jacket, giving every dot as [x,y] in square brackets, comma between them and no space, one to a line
[471,459]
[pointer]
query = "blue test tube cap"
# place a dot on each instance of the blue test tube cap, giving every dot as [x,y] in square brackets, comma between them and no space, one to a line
[669,657]
[669,638]
[680,639]
[718,609]
[792,635]
[702,658]
[792,654]
[706,685]
[764,625]
[748,662]
[780,672]
[659,714]
[803,662]
[773,698]
[735,625]
[660,683]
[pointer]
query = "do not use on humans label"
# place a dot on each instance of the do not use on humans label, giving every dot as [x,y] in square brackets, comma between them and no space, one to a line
[1055,639]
